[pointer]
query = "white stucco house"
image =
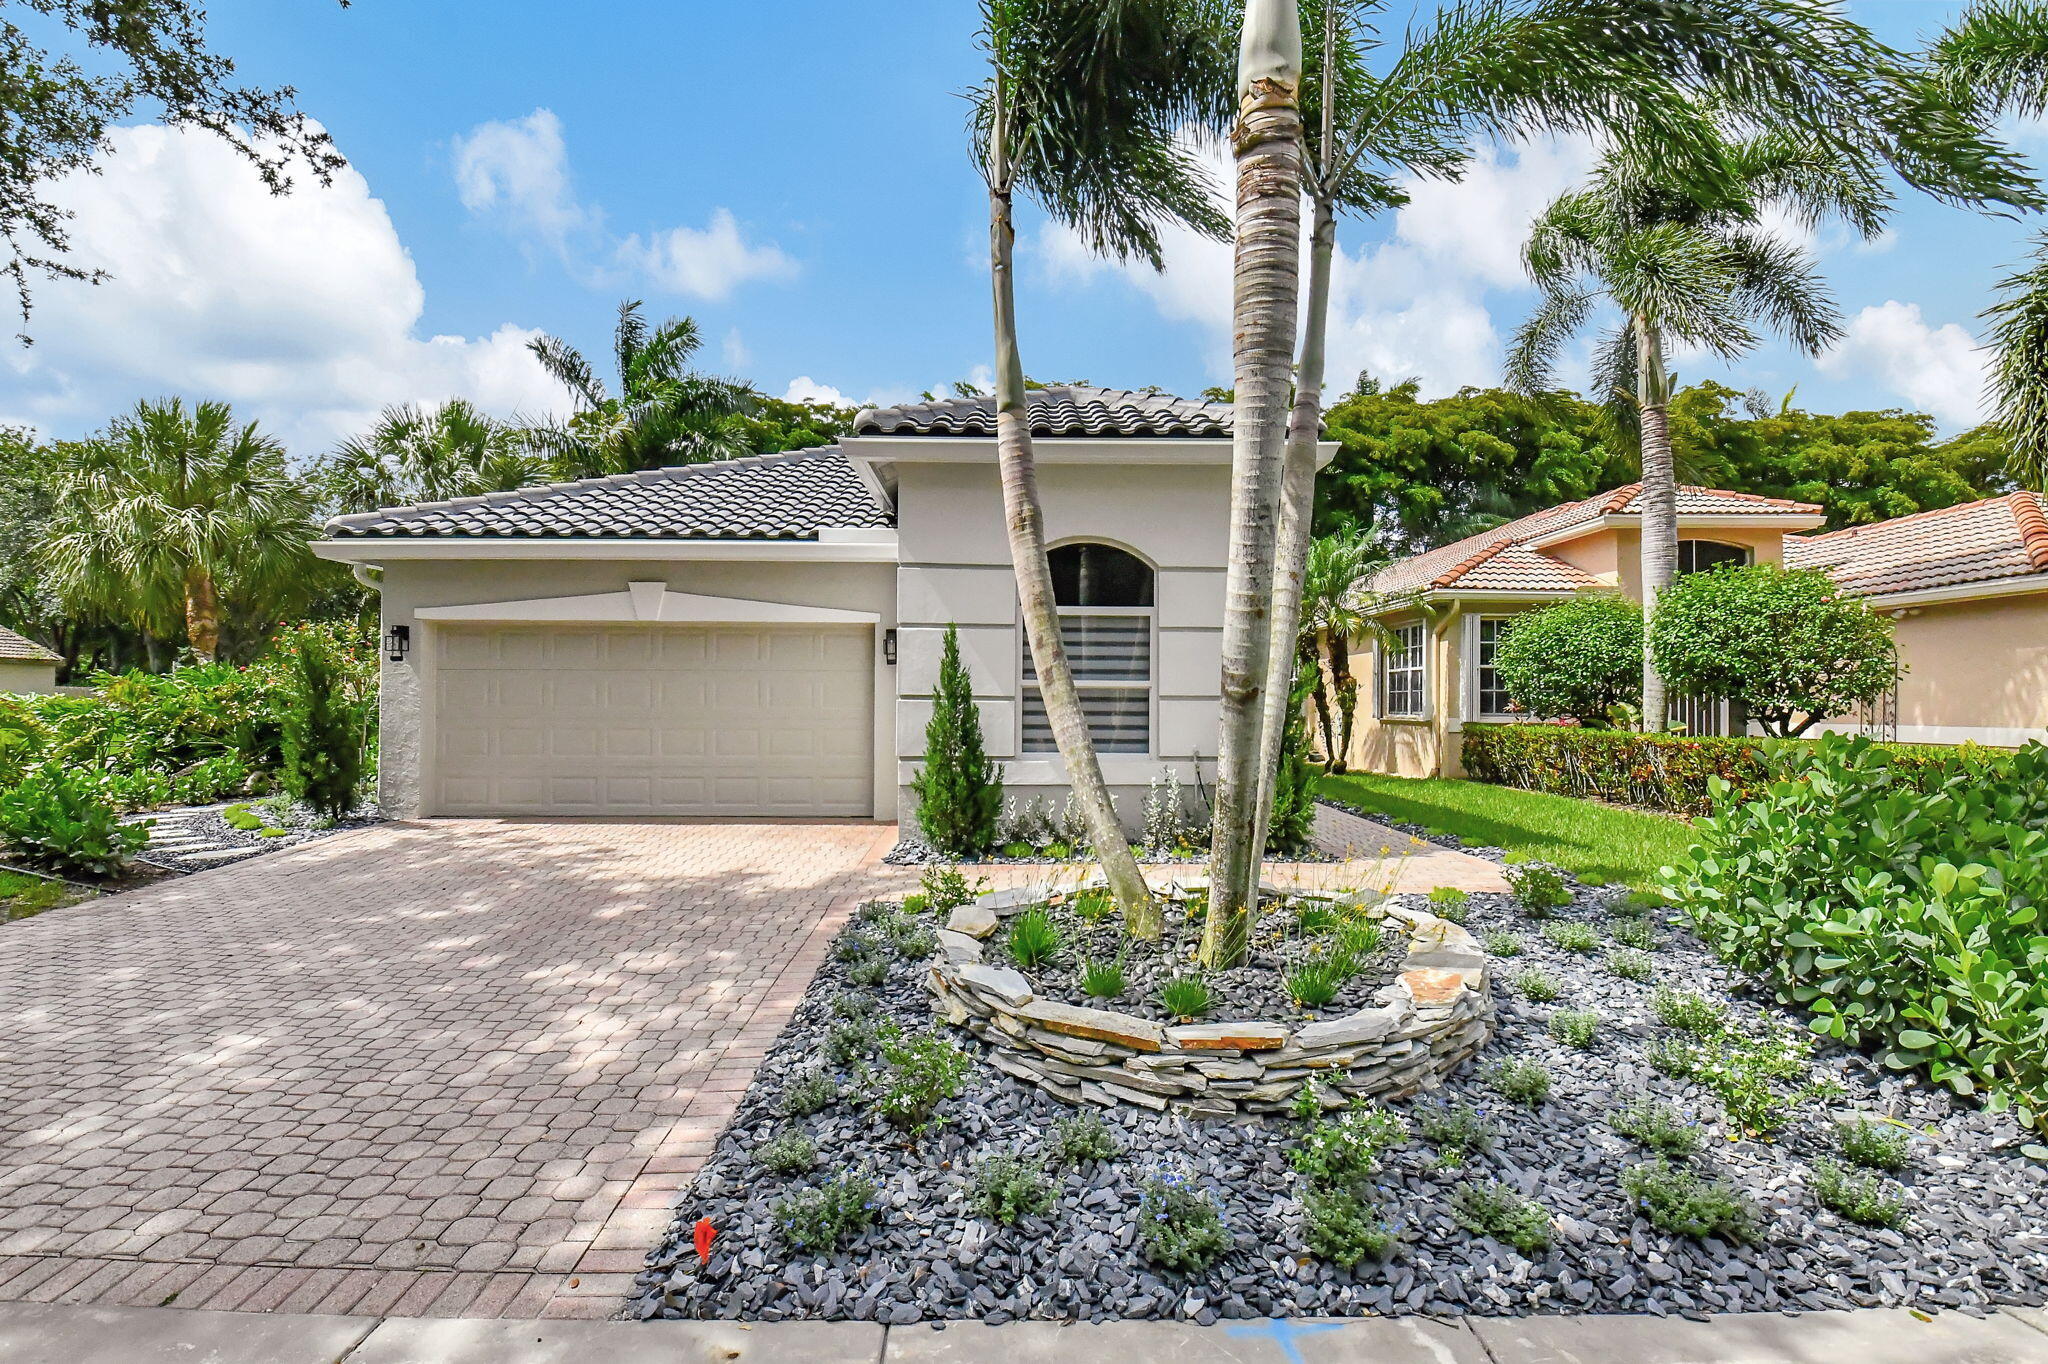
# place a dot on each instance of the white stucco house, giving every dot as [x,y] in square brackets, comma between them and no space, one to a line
[26,666]
[760,636]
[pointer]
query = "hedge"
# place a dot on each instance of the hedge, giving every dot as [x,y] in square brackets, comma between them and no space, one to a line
[1666,771]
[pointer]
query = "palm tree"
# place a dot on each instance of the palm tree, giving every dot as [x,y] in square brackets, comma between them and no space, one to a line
[415,455]
[1995,60]
[1685,266]
[152,521]
[1080,111]
[1332,612]
[663,413]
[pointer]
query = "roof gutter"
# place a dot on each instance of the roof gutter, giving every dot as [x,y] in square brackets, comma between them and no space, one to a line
[834,545]
[1989,587]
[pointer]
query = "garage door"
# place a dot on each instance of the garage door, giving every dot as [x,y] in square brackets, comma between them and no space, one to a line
[654,719]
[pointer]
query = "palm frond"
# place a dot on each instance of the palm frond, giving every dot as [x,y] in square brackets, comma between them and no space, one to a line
[1532,355]
[567,367]
[1995,58]
[1778,283]
[2018,380]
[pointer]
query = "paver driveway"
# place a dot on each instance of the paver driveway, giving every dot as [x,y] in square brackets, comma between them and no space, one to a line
[436,1068]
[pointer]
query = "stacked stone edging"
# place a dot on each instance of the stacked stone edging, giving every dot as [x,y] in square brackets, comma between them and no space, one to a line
[1435,1016]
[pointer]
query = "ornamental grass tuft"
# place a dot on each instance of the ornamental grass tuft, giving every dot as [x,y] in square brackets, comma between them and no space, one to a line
[1034,938]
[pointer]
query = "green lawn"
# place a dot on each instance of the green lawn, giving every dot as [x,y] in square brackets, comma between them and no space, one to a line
[1597,843]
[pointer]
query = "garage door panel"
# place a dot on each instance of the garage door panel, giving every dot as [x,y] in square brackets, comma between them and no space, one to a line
[652,719]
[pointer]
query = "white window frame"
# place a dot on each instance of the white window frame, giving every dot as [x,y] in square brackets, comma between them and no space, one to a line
[1149,686]
[1384,667]
[1475,701]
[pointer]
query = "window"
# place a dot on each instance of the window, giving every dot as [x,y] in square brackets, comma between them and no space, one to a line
[1401,671]
[1105,603]
[1697,556]
[1489,697]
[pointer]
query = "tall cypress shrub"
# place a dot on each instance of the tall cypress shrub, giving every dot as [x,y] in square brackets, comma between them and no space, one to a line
[959,788]
[323,750]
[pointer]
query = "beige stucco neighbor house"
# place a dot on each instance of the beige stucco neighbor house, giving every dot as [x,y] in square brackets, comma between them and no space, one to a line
[1968,587]
[26,666]
[761,636]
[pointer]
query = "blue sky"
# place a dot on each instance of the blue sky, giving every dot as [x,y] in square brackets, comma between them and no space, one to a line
[794,176]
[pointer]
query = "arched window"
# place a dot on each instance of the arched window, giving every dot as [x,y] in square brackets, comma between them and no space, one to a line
[1697,556]
[1105,602]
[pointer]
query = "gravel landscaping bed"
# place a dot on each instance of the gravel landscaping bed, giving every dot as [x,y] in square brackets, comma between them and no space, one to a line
[1975,1234]
[913,852]
[210,833]
[1255,990]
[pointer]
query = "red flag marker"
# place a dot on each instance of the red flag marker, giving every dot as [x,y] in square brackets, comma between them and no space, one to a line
[704,1235]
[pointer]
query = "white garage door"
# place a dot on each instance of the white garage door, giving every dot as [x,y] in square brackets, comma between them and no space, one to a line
[654,719]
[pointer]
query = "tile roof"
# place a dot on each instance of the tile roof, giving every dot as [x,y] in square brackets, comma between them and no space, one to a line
[786,496]
[20,649]
[1499,560]
[2000,537]
[1064,410]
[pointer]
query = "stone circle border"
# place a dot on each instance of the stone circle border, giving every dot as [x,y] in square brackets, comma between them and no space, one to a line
[1435,1016]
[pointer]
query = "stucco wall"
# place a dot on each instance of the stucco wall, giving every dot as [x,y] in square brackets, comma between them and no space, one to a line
[954,566]
[1406,747]
[26,676]
[406,737]
[1975,670]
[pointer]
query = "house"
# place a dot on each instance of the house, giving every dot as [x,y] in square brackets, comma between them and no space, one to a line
[1442,610]
[1967,590]
[26,666]
[761,636]
[1967,587]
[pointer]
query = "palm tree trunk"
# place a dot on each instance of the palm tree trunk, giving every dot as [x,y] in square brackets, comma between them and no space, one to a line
[1297,509]
[202,614]
[1325,714]
[1265,295]
[1347,699]
[1659,502]
[1025,521]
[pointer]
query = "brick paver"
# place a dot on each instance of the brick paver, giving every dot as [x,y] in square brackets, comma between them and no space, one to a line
[444,1068]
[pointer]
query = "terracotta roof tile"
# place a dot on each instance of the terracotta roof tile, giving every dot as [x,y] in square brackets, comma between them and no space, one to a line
[1062,410]
[1999,537]
[20,649]
[786,496]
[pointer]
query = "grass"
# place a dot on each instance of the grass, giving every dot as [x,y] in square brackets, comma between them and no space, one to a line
[1599,844]
[23,896]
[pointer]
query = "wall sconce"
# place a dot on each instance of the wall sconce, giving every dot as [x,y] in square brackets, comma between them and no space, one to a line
[889,647]
[398,643]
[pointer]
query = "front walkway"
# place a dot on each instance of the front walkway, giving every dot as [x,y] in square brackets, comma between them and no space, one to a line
[439,1068]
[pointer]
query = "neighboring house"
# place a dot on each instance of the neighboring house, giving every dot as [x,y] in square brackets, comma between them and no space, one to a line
[761,636]
[1429,669]
[1968,589]
[26,666]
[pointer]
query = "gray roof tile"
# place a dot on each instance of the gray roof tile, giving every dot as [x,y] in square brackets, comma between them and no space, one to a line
[786,496]
[20,649]
[1064,410]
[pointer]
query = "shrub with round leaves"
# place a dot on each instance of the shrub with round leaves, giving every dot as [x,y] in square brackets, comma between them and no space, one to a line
[1576,660]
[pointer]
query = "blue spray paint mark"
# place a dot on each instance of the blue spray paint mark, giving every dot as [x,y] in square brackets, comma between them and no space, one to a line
[1283,1333]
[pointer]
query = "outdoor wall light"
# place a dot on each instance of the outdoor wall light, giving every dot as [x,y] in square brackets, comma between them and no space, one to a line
[889,646]
[398,642]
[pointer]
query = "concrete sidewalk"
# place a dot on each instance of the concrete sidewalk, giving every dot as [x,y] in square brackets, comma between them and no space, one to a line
[46,1333]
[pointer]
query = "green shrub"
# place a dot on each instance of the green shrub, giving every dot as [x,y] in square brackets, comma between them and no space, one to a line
[1631,964]
[1007,1189]
[1536,986]
[1503,945]
[1342,1228]
[848,1004]
[54,818]
[1578,659]
[918,1072]
[1180,1227]
[1750,1075]
[812,1092]
[1657,1127]
[793,1153]
[959,788]
[1185,997]
[1082,1138]
[915,942]
[1862,1198]
[946,888]
[1677,1201]
[1522,1082]
[1102,979]
[856,945]
[1456,1130]
[1291,824]
[1636,933]
[1033,939]
[1494,1209]
[1450,903]
[1540,888]
[870,970]
[1578,1028]
[321,739]
[1094,905]
[1345,1149]
[818,1220]
[1784,642]
[1569,935]
[1905,916]
[850,1041]
[1689,1013]
[1874,1145]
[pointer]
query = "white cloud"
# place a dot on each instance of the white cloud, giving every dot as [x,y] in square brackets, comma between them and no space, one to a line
[516,171]
[301,310]
[805,389]
[733,350]
[1936,369]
